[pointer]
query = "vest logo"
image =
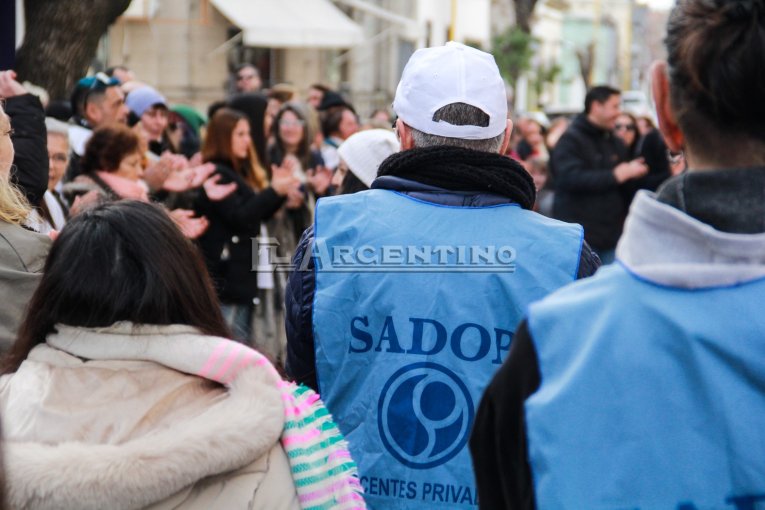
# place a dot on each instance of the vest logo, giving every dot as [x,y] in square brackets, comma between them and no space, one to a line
[424,415]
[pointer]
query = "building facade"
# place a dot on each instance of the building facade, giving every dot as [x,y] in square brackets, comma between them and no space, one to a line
[186,48]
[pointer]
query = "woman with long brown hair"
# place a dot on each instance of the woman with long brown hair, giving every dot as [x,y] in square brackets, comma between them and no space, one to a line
[235,221]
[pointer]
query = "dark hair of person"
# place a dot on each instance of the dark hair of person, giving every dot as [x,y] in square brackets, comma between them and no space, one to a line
[304,147]
[122,261]
[599,94]
[635,129]
[132,119]
[110,70]
[459,114]
[331,118]
[81,96]
[715,52]
[351,184]
[217,147]
[246,65]
[320,86]
[108,146]
[253,105]
[214,107]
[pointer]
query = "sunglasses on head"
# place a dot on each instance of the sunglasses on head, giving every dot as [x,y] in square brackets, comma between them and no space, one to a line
[98,81]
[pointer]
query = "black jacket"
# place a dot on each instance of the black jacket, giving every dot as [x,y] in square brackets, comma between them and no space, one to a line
[586,191]
[30,171]
[653,150]
[227,245]
[300,363]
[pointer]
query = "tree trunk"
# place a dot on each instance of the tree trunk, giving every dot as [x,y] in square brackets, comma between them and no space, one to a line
[586,58]
[61,40]
[524,9]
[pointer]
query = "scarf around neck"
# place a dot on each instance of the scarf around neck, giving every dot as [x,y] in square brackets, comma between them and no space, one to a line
[323,471]
[458,169]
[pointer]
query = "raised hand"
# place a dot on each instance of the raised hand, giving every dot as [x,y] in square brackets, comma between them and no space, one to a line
[319,179]
[217,192]
[191,226]
[283,177]
[630,170]
[9,87]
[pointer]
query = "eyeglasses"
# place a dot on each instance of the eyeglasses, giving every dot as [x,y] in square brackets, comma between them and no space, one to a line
[624,127]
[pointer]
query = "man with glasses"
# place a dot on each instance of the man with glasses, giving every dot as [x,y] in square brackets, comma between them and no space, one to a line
[96,101]
[590,166]
[247,79]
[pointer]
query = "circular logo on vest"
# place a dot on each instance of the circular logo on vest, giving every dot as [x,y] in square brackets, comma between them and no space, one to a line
[424,415]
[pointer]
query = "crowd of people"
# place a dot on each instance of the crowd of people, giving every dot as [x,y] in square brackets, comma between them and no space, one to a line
[479,310]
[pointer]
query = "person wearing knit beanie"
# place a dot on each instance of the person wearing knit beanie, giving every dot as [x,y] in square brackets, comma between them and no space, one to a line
[361,155]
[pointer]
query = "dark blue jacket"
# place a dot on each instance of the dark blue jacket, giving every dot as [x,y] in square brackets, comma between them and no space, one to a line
[300,288]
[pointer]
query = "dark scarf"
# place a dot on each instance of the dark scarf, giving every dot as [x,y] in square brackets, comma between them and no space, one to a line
[457,169]
[731,200]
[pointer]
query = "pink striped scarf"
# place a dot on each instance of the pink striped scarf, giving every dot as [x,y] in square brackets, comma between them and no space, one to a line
[325,475]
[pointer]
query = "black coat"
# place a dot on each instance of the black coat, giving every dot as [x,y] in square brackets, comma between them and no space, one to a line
[30,171]
[227,245]
[653,150]
[586,191]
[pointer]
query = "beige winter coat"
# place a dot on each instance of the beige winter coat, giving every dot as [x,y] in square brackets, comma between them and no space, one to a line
[22,257]
[124,433]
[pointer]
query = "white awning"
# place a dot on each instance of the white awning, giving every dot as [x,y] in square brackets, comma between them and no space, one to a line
[291,23]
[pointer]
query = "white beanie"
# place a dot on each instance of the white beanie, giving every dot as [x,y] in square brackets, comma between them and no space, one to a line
[453,73]
[364,151]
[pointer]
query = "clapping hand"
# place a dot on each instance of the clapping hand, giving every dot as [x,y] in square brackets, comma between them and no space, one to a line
[191,226]
[319,179]
[283,178]
[217,192]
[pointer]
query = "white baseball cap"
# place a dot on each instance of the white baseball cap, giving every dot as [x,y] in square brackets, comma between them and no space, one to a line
[454,73]
[364,151]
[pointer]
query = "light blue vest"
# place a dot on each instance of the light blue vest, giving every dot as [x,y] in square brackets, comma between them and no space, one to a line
[415,308]
[651,397]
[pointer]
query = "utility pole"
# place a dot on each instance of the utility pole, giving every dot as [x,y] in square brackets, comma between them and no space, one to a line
[596,38]
[627,75]
[453,24]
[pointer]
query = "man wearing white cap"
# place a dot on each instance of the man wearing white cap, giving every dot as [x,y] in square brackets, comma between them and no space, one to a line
[416,286]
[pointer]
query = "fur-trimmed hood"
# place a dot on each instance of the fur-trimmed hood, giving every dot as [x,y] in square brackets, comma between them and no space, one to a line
[125,416]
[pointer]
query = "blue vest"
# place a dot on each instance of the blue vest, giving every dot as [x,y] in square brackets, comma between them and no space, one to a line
[651,397]
[414,310]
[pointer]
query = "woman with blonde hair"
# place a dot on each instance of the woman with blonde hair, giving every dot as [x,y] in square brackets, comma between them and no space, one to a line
[22,251]
[236,220]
